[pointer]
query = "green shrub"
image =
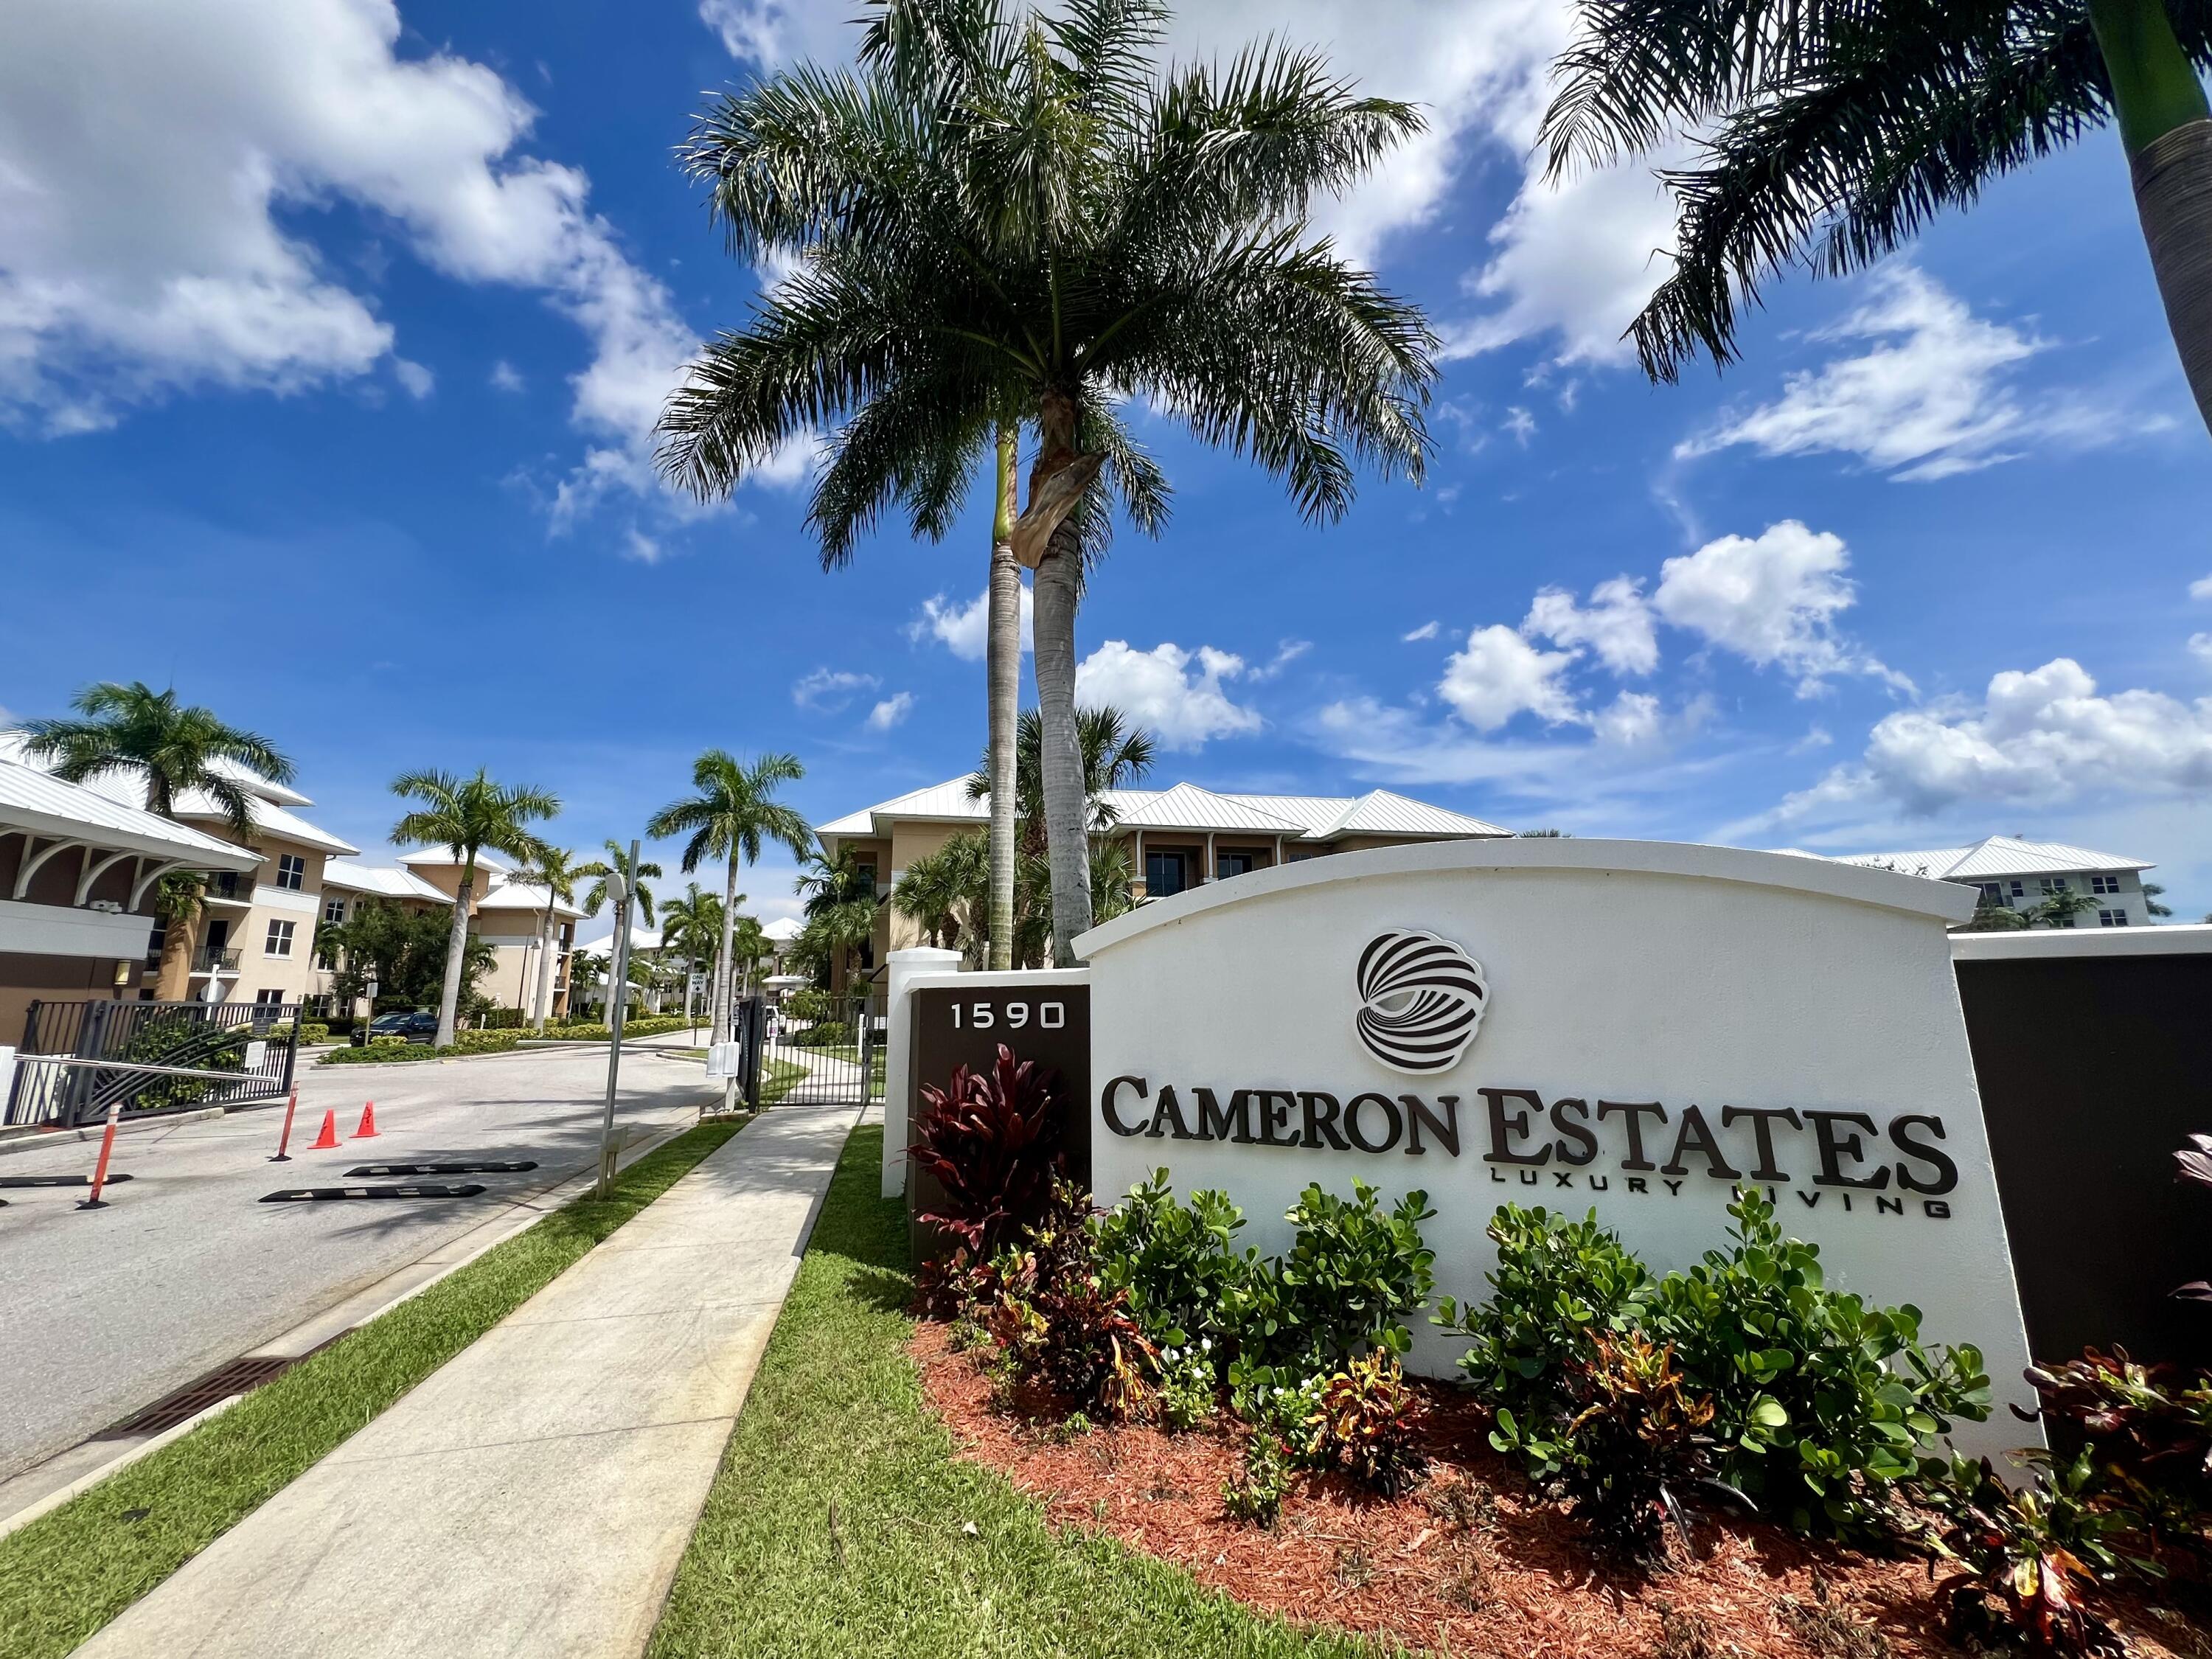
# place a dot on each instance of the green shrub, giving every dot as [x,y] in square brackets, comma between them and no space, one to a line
[1189,1386]
[1555,1281]
[1353,1274]
[483,1042]
[381,1054]
[829,1034]
[1365,1425]
[505,1019]
[1059,1326]
[388,1042]
[1178,1262]
[313,1032]
[1255,1492]
[2023,1561]
[1819,1402]
[813,1005]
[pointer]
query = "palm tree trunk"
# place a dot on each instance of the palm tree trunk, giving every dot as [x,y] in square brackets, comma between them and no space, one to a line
[1003,652]
[1067,837]
[457,951]
[544,972]
[2166,128]
[720,1016]
[174,982]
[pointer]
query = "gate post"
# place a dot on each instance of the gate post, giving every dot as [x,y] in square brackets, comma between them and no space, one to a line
[756,1031]
[91,1042]
[292,1046]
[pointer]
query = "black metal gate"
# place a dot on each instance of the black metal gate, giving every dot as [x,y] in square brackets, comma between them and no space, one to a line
[168,1057]
[833,1058]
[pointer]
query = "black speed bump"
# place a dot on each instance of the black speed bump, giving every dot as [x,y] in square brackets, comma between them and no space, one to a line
[440,1168]
[114,1175]
[318,1194]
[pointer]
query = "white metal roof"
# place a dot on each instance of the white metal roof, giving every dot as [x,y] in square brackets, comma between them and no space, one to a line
[386,883]
[1190,806]
[781,930]
[269,819]
[277,793]
[35,800]
[442,857]
[641,939]
[1996,856]
[523,895]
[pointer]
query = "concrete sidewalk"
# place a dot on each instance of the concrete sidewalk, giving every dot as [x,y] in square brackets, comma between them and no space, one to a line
[534,1495]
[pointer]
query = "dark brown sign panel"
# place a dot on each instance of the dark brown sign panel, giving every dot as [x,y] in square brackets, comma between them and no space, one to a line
[1049,1024]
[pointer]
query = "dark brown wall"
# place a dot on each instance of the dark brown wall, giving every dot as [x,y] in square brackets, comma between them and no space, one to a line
[2093,1072]
[940,1045]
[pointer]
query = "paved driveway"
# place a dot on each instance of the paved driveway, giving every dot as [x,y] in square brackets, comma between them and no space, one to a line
[103,1312]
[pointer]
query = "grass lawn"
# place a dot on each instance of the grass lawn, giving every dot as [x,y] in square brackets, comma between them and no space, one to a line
[68,1573]
[837,1522]
[776,1078]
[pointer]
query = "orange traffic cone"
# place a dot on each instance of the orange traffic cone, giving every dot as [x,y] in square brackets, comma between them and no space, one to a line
[368,1129]
[329,1137]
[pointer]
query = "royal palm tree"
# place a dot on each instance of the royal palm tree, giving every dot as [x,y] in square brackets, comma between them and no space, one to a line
[636,893]
[748,945]
[732,816]
[2059,907]
[1007,218]
[468,816]
[1831,130]
[169,749]
[553,869]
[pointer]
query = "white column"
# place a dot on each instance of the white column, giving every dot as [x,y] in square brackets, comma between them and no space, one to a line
[1209,872]
[7,1075]
[901,967]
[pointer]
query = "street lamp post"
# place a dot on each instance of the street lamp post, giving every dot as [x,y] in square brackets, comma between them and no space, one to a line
[618,888]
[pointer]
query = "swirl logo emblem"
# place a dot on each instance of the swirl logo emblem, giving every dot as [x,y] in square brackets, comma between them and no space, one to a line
[1421,998]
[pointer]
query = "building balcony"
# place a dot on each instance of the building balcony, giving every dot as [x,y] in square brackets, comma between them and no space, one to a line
[215,961]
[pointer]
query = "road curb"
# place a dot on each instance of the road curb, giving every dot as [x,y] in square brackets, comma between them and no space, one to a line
[524,1212]
[30,1140]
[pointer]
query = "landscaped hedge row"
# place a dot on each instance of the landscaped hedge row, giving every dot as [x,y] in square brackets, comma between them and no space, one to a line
[648,1025]
[391,1050]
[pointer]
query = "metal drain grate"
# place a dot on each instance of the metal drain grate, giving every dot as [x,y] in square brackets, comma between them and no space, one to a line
[239,1376]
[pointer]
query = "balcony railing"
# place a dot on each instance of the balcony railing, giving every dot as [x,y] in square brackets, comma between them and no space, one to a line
[215,960]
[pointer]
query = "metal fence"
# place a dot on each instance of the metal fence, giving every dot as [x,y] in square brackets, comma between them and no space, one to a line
[837,1060]
[77,1059]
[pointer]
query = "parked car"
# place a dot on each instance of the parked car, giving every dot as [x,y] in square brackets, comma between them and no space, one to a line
[415,1028]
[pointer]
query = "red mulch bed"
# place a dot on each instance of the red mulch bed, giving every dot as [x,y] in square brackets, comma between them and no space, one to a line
[1513,1583]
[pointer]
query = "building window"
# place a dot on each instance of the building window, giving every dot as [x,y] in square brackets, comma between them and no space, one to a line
[2054,883]
[291,871]
[267,999]
[2018,890]
[327,961]
[2104,884]
[223,885]
[156,939]
[1993,893]
[280,938]
[1226,865]
[1165,873]
[334,911]
[2111,918]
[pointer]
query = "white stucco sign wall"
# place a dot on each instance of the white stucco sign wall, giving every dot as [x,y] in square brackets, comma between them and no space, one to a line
[1630,1026]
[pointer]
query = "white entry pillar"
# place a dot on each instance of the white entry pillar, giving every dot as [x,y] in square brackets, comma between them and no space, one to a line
[898,1058]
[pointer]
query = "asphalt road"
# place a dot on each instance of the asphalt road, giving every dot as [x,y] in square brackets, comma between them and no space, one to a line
[103,1312]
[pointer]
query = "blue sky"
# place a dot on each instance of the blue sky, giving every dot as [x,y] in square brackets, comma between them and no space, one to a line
[331,337]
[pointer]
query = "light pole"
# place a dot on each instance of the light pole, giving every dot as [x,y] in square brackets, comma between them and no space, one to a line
[617,983]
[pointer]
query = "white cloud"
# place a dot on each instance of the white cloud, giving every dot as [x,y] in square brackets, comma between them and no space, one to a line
[506,377]
[826,690]
[891,712]
[2037,739]
[414,379]
[1427,630]
[156,158]
[1519,425]
[1632,721]
[1498,674]
[1772,598]
[1286,653]
[640,547]
[2200,588]
[2200,646]
[963,630]
[1617,625]
[1176,694]
[1933,397]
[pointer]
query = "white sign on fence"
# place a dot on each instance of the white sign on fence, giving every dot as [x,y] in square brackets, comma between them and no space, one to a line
[1629,1026]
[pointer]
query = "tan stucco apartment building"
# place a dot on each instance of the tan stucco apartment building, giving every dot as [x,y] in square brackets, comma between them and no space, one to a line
[504,913]
[77,872]
[1176,838]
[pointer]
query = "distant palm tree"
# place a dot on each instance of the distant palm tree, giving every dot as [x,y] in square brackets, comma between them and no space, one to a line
[734,815]
[692,926]
[170,750]
[1116,753]
[839,899]
[550,867]
[1831,131]
[178,898]
[2061,907]
[2152,893]
[468,816]
[748,946]
[1008,217]
[617,862]
[943,892]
